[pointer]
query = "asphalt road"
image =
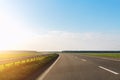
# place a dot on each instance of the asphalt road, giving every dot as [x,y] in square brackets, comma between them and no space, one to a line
[78,67]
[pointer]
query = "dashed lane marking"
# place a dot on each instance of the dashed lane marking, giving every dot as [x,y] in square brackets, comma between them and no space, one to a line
[108,70]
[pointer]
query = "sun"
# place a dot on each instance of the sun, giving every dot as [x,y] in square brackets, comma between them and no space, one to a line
[13,32]
[12,38]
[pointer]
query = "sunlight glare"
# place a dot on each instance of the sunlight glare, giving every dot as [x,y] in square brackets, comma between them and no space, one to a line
[13,33]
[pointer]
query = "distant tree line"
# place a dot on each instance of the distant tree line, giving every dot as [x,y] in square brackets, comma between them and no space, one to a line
[90,51]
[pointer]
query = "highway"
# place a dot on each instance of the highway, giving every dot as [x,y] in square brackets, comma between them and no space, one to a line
[79,67]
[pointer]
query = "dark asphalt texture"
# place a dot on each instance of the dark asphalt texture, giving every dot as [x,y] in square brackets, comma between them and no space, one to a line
[73,67]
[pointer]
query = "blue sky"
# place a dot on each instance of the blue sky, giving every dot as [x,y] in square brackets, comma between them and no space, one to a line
[90,18]
[78,15]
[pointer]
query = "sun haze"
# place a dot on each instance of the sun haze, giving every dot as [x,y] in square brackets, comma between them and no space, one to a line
[59,25]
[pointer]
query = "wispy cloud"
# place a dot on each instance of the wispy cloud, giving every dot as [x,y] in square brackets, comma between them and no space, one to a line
[60,40]
[16,33]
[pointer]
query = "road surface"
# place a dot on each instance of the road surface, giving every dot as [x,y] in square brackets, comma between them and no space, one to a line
[78,67]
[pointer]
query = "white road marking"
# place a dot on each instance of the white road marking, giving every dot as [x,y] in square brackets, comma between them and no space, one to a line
[105,58]
[110,59]
[83,59]
[108,70]
[48,70]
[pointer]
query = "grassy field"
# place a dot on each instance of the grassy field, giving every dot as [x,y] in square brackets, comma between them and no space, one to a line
[24,70]
[109,55]
[16,54]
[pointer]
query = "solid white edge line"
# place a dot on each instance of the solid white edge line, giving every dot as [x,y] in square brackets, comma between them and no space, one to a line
[109,59]
[108,70]
[105,58]
[47,71]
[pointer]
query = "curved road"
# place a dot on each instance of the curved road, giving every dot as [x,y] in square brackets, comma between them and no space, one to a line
[79,67]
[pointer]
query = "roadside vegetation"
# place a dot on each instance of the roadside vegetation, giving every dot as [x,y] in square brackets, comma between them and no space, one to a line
[109,55]
[21,70]
[17,54]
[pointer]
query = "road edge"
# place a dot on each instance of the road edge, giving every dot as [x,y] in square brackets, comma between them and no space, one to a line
[106,58]
[48,70]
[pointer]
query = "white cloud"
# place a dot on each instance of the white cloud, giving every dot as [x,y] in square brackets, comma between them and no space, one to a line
[59,40]
[15,34]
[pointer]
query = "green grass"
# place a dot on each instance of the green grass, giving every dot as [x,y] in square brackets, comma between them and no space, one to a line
[16,54]
[109,55]
[23,71]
